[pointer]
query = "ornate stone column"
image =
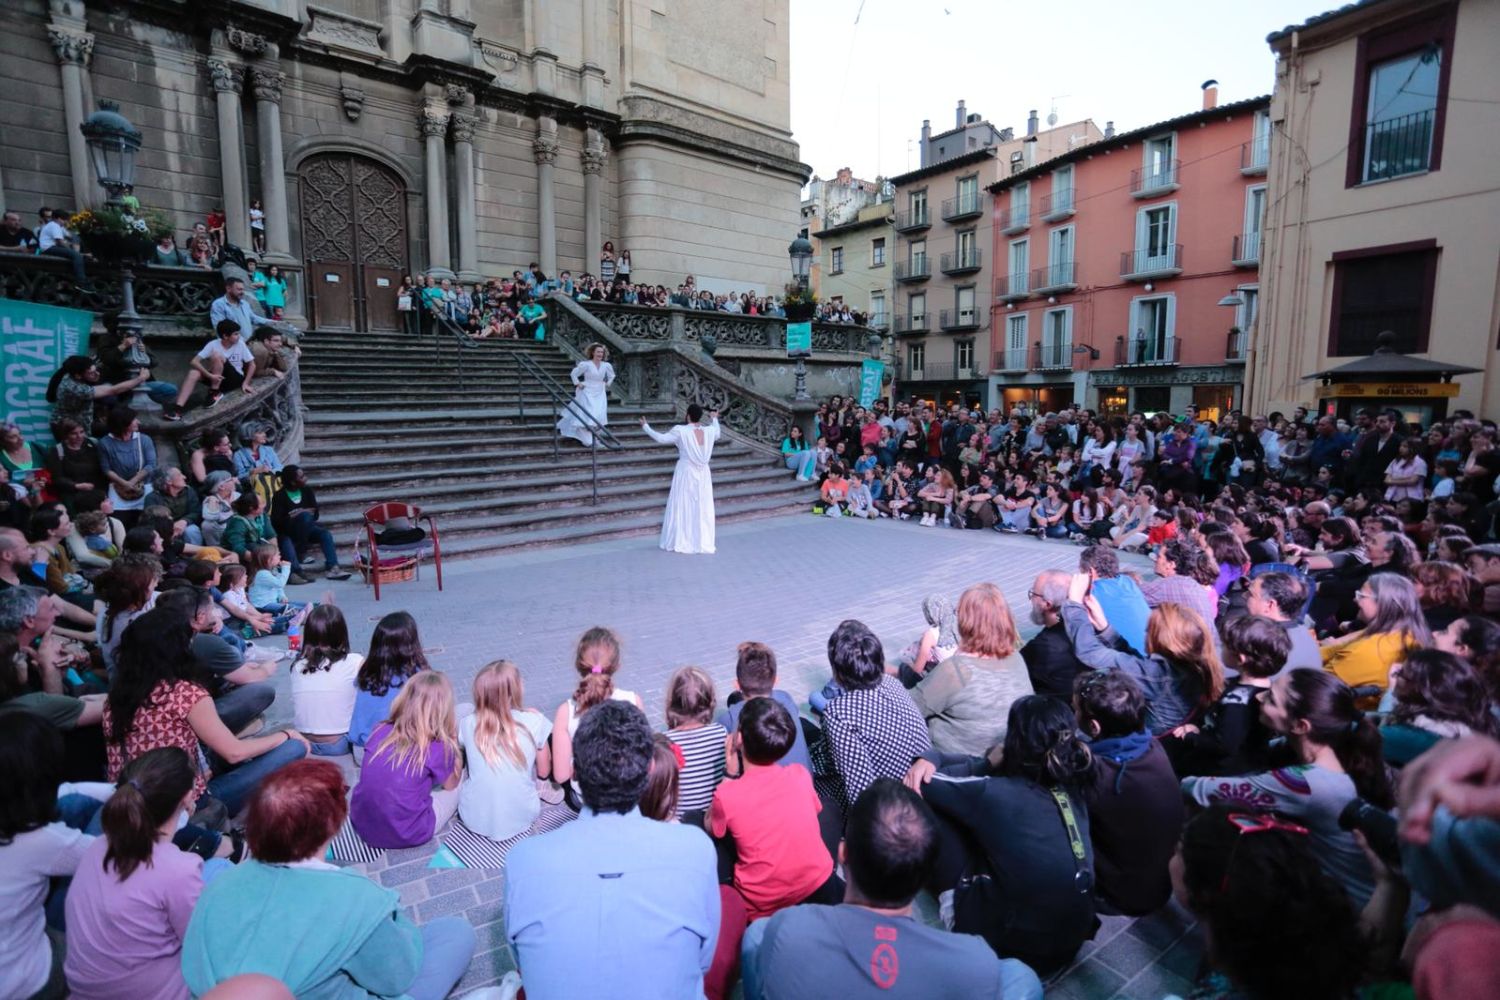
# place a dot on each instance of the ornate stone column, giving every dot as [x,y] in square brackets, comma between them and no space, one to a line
[594,158]
[434,125]
[545,149]
[74,48]
[468,208]
[268,84]
[227,83]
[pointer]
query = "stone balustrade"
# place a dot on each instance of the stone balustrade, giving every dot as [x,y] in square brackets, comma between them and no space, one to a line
[165,293]
[657,324]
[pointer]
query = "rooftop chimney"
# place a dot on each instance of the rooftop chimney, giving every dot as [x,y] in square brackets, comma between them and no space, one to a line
[1028,150]
[960,116]
[1031,123]
[1109,130]
[1210,94]
[926,141]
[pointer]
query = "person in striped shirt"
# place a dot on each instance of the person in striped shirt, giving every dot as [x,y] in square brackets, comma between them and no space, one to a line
[690,724]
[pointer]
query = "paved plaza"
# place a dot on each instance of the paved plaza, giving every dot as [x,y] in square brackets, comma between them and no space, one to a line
[785,581]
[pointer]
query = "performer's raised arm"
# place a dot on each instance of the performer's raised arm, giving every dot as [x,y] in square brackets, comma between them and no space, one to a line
[658,436]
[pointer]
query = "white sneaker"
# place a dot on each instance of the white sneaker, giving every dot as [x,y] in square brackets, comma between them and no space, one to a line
[507,989]
[831,512]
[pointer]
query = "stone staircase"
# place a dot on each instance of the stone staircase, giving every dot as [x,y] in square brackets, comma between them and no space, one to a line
[390,419]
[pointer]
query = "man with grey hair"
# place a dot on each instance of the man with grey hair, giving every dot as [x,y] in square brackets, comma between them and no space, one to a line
[28,612]
[1049,655]
[15,571]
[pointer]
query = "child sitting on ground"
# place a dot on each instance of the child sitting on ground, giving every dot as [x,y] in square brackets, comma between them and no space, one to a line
[755,677]
[323,682]
[236,601]
[866,460]
[835,492]
[596,659]
[205,575]
[861,500]
[267,592]
[395,656]
[770,818]
[690,725]
[408,784]
[659,800]
[504,744]
[1233,739]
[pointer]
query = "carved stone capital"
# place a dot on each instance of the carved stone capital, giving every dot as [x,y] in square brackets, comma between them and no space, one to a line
[594,160]
[267,84]
[463,128]
[455,95]
[225,76]
[246,41]
[544,148]
[432,123]
[354,101]
[76,47]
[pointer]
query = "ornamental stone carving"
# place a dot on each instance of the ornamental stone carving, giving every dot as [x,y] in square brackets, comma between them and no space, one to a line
[354,102]
[463,128]
[455,94]
[594,160]
[432,123]
[73,47]
[267,84]
[225,76]
[246,41]
[544,148]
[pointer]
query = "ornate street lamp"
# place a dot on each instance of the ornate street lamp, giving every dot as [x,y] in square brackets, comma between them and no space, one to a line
[801,253]
[113,143]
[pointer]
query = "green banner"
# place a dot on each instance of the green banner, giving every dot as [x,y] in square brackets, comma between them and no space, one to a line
[35,339]
[870,374]
[798,339]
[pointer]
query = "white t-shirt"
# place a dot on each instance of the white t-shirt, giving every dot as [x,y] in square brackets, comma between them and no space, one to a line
[236,357]
[27,864]
[323,701]
[52,232]
[499,800]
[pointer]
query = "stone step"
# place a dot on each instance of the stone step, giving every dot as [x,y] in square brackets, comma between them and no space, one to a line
[529,453]
[402,371]
[446,416]
[423,396]
[436,427]
[360,443]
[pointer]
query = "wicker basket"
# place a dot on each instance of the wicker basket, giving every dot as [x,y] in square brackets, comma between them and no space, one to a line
[391,570]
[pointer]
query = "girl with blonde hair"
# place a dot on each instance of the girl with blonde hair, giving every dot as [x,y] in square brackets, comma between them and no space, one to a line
[408,785]
[690,711]
[505,745]
[597,660]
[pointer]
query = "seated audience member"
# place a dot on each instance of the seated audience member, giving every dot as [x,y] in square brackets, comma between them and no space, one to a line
[504,745]
[1134,800]
[1282,597]
[1120,596]
[1232,738]
[871,946]
[966,697]
[335,932]
[1026,820]
[1434,695]
[408,782]
[770,816]
[659,800]
[294,515]
[324,674]
[1180,673]
[170,489]
[41,819]
[270,353]
[690,713]
[658,881]
[1483,563]
[835,491]
[215,453]
[226,364]
[872,730]
[1337,749]
[1185,575]
[219,495]
[1050,660]
[395,655]
[755,677]
[1476,639]
[1393,626]
[1279,925]
[33,681]
[97,540]
[938,641]
[248,526]
[256,457]
[134,891]
[1445,591]
[242,689]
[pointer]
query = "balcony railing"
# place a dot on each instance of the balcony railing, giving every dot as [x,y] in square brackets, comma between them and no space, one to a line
[1398,146]
[1012,287]
[1246,250]
[1146,182]
[965,206]
[1236,345]
[1011,360]
[1255,155]
[1142,265]
[962,261]
[958,319]
[911,323]
[1059,277]
[1015,220]
[915,219]
[914,269]
[1058,204]
[1145,350]
[1055,355]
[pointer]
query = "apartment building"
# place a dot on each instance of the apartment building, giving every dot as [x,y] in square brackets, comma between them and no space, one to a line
[832,202]
[855,261]
[944,232]
[1126,272]
[1387,205]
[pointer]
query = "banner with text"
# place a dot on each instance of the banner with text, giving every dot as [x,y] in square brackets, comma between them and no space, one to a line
[34,340]
[870,375]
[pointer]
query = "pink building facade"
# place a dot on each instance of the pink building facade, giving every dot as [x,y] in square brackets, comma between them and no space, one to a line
[1127,271]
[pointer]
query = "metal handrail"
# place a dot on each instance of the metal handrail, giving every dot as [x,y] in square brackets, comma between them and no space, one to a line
[436,321]
[598,432]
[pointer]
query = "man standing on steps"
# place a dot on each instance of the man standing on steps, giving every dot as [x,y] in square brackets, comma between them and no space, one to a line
[688,525]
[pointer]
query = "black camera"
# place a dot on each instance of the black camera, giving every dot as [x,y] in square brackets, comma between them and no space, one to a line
[1378,826]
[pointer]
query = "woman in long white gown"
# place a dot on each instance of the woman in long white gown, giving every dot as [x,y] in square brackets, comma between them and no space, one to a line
[591,381]
[688,525]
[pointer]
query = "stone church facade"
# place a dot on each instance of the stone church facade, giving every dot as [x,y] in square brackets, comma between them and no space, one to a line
[450,137]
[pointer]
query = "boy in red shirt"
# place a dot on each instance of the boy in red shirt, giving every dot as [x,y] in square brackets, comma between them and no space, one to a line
[771,814]
[835,491]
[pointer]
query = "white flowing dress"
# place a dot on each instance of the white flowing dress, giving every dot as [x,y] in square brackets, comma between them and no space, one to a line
[593,400]
[688,525]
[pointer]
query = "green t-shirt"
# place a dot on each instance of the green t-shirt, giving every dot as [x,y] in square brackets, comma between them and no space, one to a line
[62,710]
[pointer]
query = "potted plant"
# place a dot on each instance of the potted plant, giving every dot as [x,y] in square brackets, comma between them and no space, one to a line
[115,235]
[800,304]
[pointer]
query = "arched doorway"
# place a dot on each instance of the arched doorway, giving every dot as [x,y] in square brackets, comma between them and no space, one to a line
[353,241]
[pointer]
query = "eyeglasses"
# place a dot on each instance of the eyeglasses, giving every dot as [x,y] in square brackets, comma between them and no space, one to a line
[1364,595]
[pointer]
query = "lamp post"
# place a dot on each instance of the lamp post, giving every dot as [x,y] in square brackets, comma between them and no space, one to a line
[801,253]
[113,143]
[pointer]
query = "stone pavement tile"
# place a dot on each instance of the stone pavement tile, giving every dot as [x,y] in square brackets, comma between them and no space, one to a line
[1089,980]
[413,893]
[1126,954]
[1154,983]
[486,968]
[443,880]
[457,901]
[1165,927]
[401,874]
[1184,958]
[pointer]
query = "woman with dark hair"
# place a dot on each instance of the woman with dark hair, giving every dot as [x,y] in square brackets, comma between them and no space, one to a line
[335,933]
[1393,626]
[128,458]
[1259,536]
[73,462]
[796,453]
[1434,695]
[128,589]
[75,386]
[1337,749]
[215,453]
[1240,458]
[130,900]
[1477,639]
[248,526]
[158,697]
[1230,554]
[1027,888]
[395,655]
[1275,924]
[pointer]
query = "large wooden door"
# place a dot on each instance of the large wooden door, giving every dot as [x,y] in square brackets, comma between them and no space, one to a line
[353,242]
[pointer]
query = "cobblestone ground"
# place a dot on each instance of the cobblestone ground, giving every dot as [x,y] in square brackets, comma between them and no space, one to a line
[787,582]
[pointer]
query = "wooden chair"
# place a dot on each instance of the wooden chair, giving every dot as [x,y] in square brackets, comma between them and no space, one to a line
[378,517]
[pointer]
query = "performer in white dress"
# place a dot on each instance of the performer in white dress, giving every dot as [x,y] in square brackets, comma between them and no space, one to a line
[591,381]
[688,525]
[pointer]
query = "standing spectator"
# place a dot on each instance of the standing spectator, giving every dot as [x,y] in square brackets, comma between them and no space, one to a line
[275,301]
[658,881]
[54,240]
[1406,475]
[14,237]
[1374,452]
[257,226]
